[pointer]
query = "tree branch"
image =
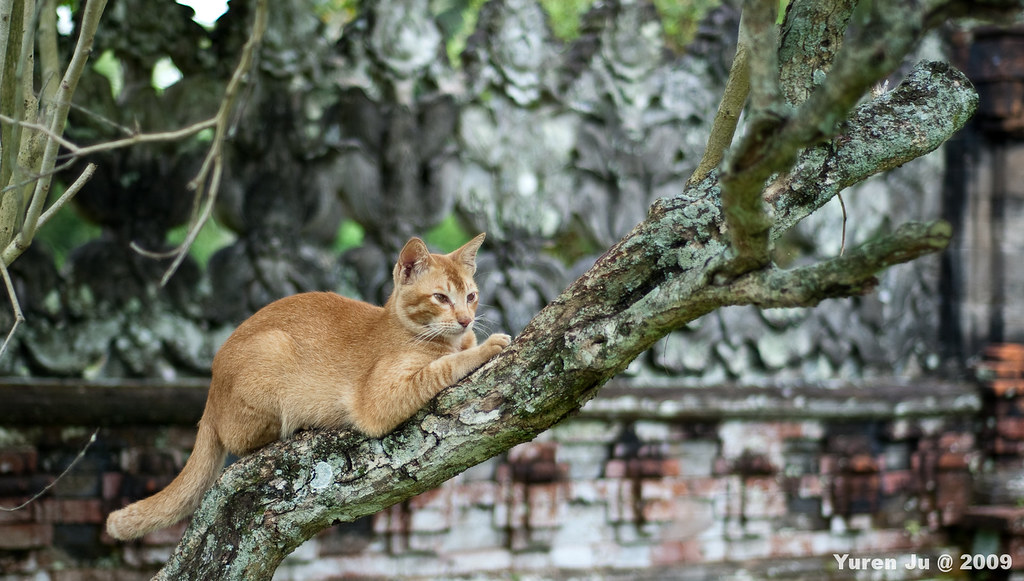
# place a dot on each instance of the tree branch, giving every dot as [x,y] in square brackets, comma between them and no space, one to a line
[727,117]
[653,281]
[812,34]
[848,275]
[207,182]
[773,141]
[79,58]
[880,135]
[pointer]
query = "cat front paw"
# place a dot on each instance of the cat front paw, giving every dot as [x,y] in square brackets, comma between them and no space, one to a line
[497,342]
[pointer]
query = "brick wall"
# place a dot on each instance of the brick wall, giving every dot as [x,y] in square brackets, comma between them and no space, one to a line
[624,489]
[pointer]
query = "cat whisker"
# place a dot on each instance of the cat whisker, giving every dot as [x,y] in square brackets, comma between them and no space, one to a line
[428,334]
[485,324]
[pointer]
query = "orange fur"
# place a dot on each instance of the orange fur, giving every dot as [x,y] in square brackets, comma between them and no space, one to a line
[322,360]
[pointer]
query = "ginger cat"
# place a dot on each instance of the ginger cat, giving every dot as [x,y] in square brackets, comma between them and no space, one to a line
[321,360]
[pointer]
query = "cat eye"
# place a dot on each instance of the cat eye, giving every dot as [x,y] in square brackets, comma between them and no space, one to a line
[441,298]
[471,298]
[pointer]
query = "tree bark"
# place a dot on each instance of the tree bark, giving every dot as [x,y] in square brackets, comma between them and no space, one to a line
[675,266]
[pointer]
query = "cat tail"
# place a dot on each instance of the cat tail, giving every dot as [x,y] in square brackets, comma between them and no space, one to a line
[180,498]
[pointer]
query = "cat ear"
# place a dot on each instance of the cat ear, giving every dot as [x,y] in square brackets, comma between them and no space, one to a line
[412,260]
[466,255]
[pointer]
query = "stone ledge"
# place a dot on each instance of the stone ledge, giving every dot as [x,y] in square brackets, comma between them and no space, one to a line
[879,398]
[134,402]
[76,402]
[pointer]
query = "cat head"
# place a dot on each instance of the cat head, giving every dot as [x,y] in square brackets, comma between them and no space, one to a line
[435,296]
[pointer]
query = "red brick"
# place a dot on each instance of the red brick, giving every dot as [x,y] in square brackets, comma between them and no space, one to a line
[1015,547]
[897,482]
[1012,428]
[477,493]
[953,461]
[671,467]
[166,536]
[15,516]
[1004,447]
[546,505]
[1007,386]
[763,497]
[434,498]
[615,468]
[675,552]
[1005,351]
[952,494]
[707,487]
[25,536]
[70,510]
[663,489]
[533,452]
[659,510]
[1004,369]
[957,441]
[810,486]
[862,463]
[18,460]
[828,464]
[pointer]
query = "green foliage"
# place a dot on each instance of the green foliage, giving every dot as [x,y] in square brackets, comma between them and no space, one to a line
[680,19]
[448,235]
[565,16]
[350,235]
[65,232]
[109,67]
[212,237]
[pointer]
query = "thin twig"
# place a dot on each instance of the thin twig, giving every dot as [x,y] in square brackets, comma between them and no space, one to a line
[207,182]
[19,317]
[36,177]
[17,84]
[842,204]
[81,454]
[76,151]
[62,101]
[12,295]
[137,138]
[40,128]
[728,115]
[6,17]
[68,194]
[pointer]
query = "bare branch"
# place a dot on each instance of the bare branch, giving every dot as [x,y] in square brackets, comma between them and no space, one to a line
[881,134]
[69,193]
[40,128]
[743,177]
[728,115]
[139,138]
[12,295]
[847,275]
[811,35]
[772,142]
[207,181]
[759,32]
[81,454]
[49,59]
[83,49]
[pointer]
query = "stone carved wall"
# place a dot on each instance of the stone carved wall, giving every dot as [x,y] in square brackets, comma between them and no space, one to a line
[540,143]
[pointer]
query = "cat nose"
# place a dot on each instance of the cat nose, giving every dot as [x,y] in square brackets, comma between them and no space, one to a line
[465,321]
